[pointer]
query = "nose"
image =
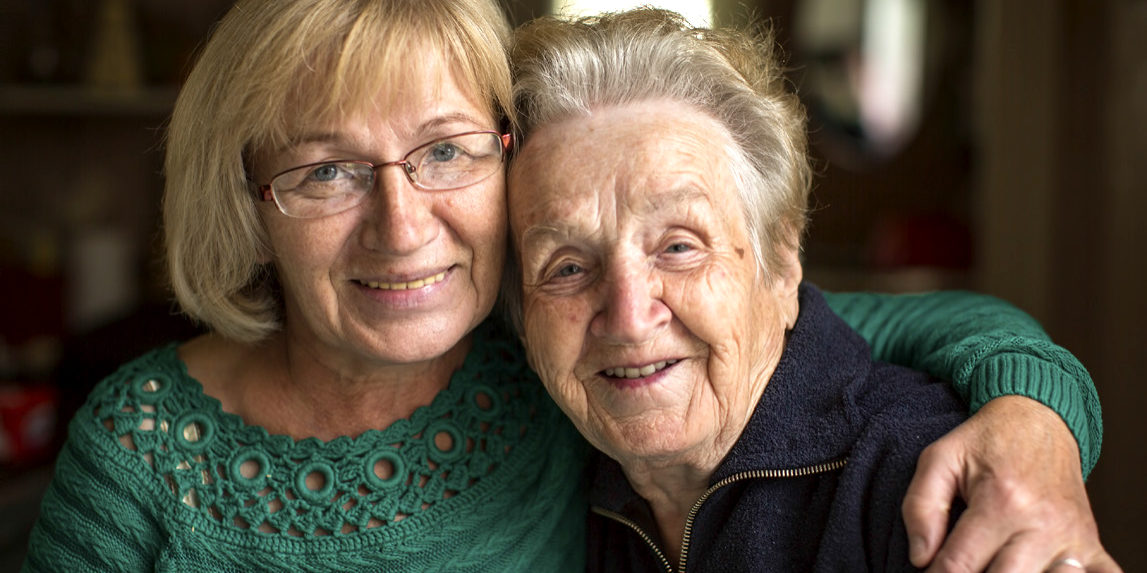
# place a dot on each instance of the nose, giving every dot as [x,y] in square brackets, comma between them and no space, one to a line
[400,217]
[632,308]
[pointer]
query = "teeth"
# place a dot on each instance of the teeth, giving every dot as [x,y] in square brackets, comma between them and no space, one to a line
[419,283]
[623,372]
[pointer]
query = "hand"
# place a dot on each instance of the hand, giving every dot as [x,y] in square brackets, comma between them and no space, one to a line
[1017,466]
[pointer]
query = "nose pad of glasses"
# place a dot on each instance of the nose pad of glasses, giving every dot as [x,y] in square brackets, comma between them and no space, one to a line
[411,172]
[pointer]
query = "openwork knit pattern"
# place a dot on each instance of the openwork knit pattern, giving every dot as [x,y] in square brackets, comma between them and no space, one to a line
[484,478]
[240,476]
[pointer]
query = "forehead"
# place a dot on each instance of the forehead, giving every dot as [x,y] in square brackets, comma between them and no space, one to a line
[640,155]
[417,88]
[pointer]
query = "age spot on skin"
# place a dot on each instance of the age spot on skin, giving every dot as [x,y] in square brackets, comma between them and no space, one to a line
[740,252]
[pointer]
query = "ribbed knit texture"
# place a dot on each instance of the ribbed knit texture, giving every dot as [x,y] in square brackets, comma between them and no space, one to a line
[985,346]
[155,476]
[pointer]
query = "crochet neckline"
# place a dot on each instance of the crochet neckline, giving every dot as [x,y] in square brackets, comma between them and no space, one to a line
[370,434]
[241,479]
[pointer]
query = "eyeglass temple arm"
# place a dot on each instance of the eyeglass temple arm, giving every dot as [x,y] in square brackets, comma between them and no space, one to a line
[265,192]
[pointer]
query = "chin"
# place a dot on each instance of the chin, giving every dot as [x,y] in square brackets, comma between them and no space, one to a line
[649,439]
[415,344]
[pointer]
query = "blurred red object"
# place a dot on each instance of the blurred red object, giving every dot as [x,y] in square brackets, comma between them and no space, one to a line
[27,422]
[928,239]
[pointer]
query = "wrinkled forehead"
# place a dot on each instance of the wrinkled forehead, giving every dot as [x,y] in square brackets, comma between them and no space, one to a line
[638,155]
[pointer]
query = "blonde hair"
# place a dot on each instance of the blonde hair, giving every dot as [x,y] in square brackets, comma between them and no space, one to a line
[268,63]
[566,68]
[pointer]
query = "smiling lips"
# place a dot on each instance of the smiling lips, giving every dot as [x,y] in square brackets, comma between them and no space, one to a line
[631,373]
[419,283]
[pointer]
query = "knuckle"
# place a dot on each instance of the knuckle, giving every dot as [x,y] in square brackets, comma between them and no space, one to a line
[1014,495]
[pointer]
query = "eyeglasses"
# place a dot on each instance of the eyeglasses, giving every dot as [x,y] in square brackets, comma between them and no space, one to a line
[331,187]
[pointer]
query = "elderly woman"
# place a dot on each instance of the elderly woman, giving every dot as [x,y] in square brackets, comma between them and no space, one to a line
[335,213]
[656,207]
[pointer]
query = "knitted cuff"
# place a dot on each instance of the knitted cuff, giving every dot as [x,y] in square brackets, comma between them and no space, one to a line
[1069,394]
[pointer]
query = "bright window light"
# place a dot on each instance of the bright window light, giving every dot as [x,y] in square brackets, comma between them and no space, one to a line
[699,13]
[892,85]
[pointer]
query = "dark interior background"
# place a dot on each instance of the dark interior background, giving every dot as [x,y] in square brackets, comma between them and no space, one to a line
[1025,180]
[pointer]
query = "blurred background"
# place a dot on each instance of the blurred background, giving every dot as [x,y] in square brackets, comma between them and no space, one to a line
[984,145]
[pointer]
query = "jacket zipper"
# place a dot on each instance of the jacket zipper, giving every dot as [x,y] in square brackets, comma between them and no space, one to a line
[687,536]
[640,533]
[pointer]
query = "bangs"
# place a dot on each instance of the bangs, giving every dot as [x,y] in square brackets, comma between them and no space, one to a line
[364,67]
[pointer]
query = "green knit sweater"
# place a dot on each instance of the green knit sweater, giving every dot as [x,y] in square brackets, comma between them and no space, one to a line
[155,476]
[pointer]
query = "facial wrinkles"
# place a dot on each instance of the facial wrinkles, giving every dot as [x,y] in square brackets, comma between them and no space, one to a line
[647,180]
[737,351]
[734,356]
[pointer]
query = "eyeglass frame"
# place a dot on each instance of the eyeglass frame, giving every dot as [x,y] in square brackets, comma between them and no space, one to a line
[266,191]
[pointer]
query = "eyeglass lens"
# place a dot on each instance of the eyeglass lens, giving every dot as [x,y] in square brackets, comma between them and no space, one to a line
[328,188]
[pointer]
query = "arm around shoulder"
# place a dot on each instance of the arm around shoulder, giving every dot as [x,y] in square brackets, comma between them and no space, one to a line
[985,346]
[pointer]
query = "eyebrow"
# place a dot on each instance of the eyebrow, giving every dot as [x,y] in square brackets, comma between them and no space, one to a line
[434,123]
[678,195]
[536,232]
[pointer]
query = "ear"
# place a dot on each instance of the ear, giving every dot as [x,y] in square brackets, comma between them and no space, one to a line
[786,282]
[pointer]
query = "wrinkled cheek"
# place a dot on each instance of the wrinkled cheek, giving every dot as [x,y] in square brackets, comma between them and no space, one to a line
[726,369]
[543,345]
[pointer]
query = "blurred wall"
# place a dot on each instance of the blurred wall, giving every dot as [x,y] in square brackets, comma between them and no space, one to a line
[1063,192]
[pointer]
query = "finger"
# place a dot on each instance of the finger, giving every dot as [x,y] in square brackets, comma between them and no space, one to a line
[1104,563]
[927,505]
[972,543]
[1075,561]
[1029,551]
[1066,565]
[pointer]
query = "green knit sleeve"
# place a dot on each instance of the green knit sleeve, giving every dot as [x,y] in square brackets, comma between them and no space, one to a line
[91,518]
[985,346]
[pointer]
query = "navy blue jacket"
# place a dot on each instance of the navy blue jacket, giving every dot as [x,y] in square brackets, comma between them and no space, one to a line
[815,481]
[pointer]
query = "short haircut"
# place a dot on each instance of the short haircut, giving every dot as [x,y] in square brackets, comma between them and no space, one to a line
[268,63]
[565,68]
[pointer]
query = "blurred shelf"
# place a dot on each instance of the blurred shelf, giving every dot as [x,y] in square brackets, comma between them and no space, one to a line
[79,101]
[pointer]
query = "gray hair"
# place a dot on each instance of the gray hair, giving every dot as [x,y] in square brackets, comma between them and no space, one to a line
[268,63]
[566,68]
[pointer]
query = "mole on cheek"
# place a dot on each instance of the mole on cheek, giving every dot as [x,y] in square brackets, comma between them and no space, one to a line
[740,253]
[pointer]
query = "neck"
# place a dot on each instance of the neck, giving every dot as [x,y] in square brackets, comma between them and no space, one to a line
[293,390]
[671,492]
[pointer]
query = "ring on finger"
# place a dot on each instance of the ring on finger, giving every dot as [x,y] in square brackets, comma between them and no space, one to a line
[1068,561]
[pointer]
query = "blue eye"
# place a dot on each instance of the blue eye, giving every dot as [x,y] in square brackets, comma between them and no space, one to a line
[444,152]
[679,248]
[326,172]
[569,270]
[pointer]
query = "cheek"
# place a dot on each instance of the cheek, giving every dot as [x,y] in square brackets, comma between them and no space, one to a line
[481,222]
[711,300]
[554,331]
[302,248]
